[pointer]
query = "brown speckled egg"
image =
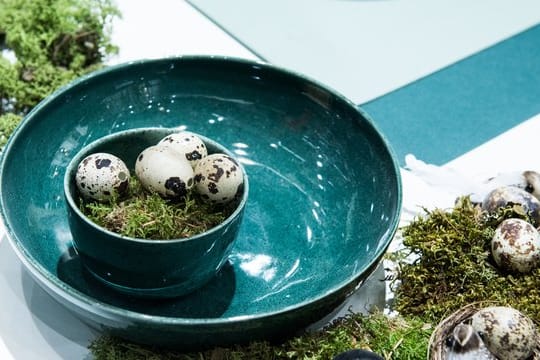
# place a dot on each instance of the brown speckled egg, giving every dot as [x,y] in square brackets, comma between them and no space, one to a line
[508,333]
[515,246]
[163,170]
[218,178]
[507,195]
[188,144]
[101,175]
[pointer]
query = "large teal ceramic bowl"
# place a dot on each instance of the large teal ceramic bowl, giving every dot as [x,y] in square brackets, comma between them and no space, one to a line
[324,203]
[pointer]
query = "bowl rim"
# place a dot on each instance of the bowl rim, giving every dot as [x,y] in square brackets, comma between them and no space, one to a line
[51,283]
[86,150]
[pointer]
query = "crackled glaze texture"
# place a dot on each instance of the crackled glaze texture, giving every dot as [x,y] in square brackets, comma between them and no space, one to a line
[324,197]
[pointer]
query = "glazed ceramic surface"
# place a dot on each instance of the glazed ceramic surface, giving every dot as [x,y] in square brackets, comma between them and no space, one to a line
[147,268]
[324,200]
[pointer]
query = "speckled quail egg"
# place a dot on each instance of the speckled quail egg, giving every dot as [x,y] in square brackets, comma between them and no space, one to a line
[219,178]
[508,333]
[515,246]
[507,195]
[99,176]
[188,144]
[163,170]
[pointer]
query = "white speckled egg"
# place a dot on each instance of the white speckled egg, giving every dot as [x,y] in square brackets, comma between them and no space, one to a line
[188,144]
[101,175]
[506,195]
[508,333]
[516,246]
[163,170]
[218,178]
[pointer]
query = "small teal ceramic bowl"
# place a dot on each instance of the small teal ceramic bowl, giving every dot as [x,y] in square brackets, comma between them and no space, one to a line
[324,195]
[141,267]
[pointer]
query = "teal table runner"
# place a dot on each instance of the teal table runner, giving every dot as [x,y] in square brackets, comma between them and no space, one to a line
[452,111]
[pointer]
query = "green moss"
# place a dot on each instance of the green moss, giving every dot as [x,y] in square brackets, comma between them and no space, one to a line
[8,124]
[454,266]
[148,216]
[393,337]
[53,41]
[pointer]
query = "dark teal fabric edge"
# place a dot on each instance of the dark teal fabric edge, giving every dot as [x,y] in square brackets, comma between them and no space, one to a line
[449,112]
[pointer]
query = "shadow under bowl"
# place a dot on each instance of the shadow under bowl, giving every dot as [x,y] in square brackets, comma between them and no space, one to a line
[146,267]
[324,197]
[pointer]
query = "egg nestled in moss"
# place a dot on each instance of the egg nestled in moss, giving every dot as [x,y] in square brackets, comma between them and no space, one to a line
[219,178]
[511,195]
[164,171]
[101,176]
[515,246]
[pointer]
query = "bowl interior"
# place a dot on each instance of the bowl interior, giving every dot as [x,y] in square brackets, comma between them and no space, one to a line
[324,188]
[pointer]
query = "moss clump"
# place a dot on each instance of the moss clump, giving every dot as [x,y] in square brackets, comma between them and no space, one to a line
[50,43]
[454,266]
[393,337]
[8,123]
[146,215]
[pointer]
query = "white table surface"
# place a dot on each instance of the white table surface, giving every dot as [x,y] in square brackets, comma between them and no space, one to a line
[367,48]
[33,326]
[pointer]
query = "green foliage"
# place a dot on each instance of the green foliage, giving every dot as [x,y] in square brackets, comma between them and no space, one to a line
[53,42]
[454,266]
[392,337]
[65,33]
[8,123]
[148,216]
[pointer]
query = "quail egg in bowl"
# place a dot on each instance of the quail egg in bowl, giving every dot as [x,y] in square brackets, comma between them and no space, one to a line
[161,170]
[324,195]
[218,178]
[188,144]
[101,175]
